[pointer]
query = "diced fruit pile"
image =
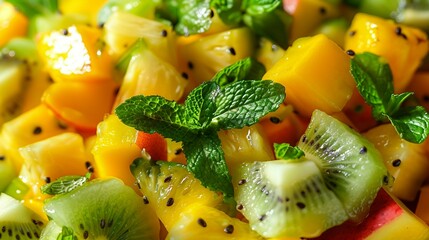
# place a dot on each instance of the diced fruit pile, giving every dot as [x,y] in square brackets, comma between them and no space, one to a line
[148,119]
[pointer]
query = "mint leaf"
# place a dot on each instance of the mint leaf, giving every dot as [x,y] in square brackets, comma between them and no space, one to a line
[200,104]
[67,234]
[207,109]
[194,17]
[200,154]
[156,114]
[255,7]
[64,184]
[228,10]
[396,101]
[32,8]
[271,25]
[244,69]
[412,123]
[375,83]
[243,103]
[285,151]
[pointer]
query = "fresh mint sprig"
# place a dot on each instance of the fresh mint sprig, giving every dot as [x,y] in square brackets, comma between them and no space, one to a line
[285,151]
[66,234]
[65,184]
[207,109]
[375,83]
[32,8]
[247,68]
[265,17]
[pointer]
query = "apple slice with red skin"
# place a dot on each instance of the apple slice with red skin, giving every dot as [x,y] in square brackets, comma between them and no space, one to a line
[388,218]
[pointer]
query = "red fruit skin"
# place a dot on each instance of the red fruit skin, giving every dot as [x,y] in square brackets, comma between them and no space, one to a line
[383,210]
[154,144]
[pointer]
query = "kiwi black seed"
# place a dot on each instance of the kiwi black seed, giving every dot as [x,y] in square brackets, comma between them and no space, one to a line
[102,208]
[283,198]
[18,222]
[350,164]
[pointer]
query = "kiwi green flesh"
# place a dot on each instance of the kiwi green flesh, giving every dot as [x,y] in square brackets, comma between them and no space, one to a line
[17,221]
[7,171]
[103,208]
[351,166]
[286,198]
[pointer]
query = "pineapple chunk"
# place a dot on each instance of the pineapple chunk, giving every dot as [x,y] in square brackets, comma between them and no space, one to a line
[199,220]
[34,125]
[245,145]
[406,162]
[122,29]
[51,158]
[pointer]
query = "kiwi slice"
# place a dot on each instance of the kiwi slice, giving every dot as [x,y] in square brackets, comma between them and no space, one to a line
[101,209]
[337,179]
[350,164]
[17,221]
[286,198]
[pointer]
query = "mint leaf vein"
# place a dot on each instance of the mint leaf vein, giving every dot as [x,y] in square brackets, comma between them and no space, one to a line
[375,83]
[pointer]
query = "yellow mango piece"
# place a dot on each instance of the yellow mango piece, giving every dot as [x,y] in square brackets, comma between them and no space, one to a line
[12,23]
[115,149]
[316,74]
[403,47]
[307,15]
[75,53]
[81,104]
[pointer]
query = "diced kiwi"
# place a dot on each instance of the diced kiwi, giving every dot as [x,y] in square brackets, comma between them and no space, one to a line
[102,209]
[286,198]
[17,221]
[337,179]
[169,188]
[351,166]
[414,13]
[381,8]
[17,188]
[22,78]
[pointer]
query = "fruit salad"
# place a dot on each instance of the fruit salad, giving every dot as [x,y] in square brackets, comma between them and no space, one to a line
[253,119]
